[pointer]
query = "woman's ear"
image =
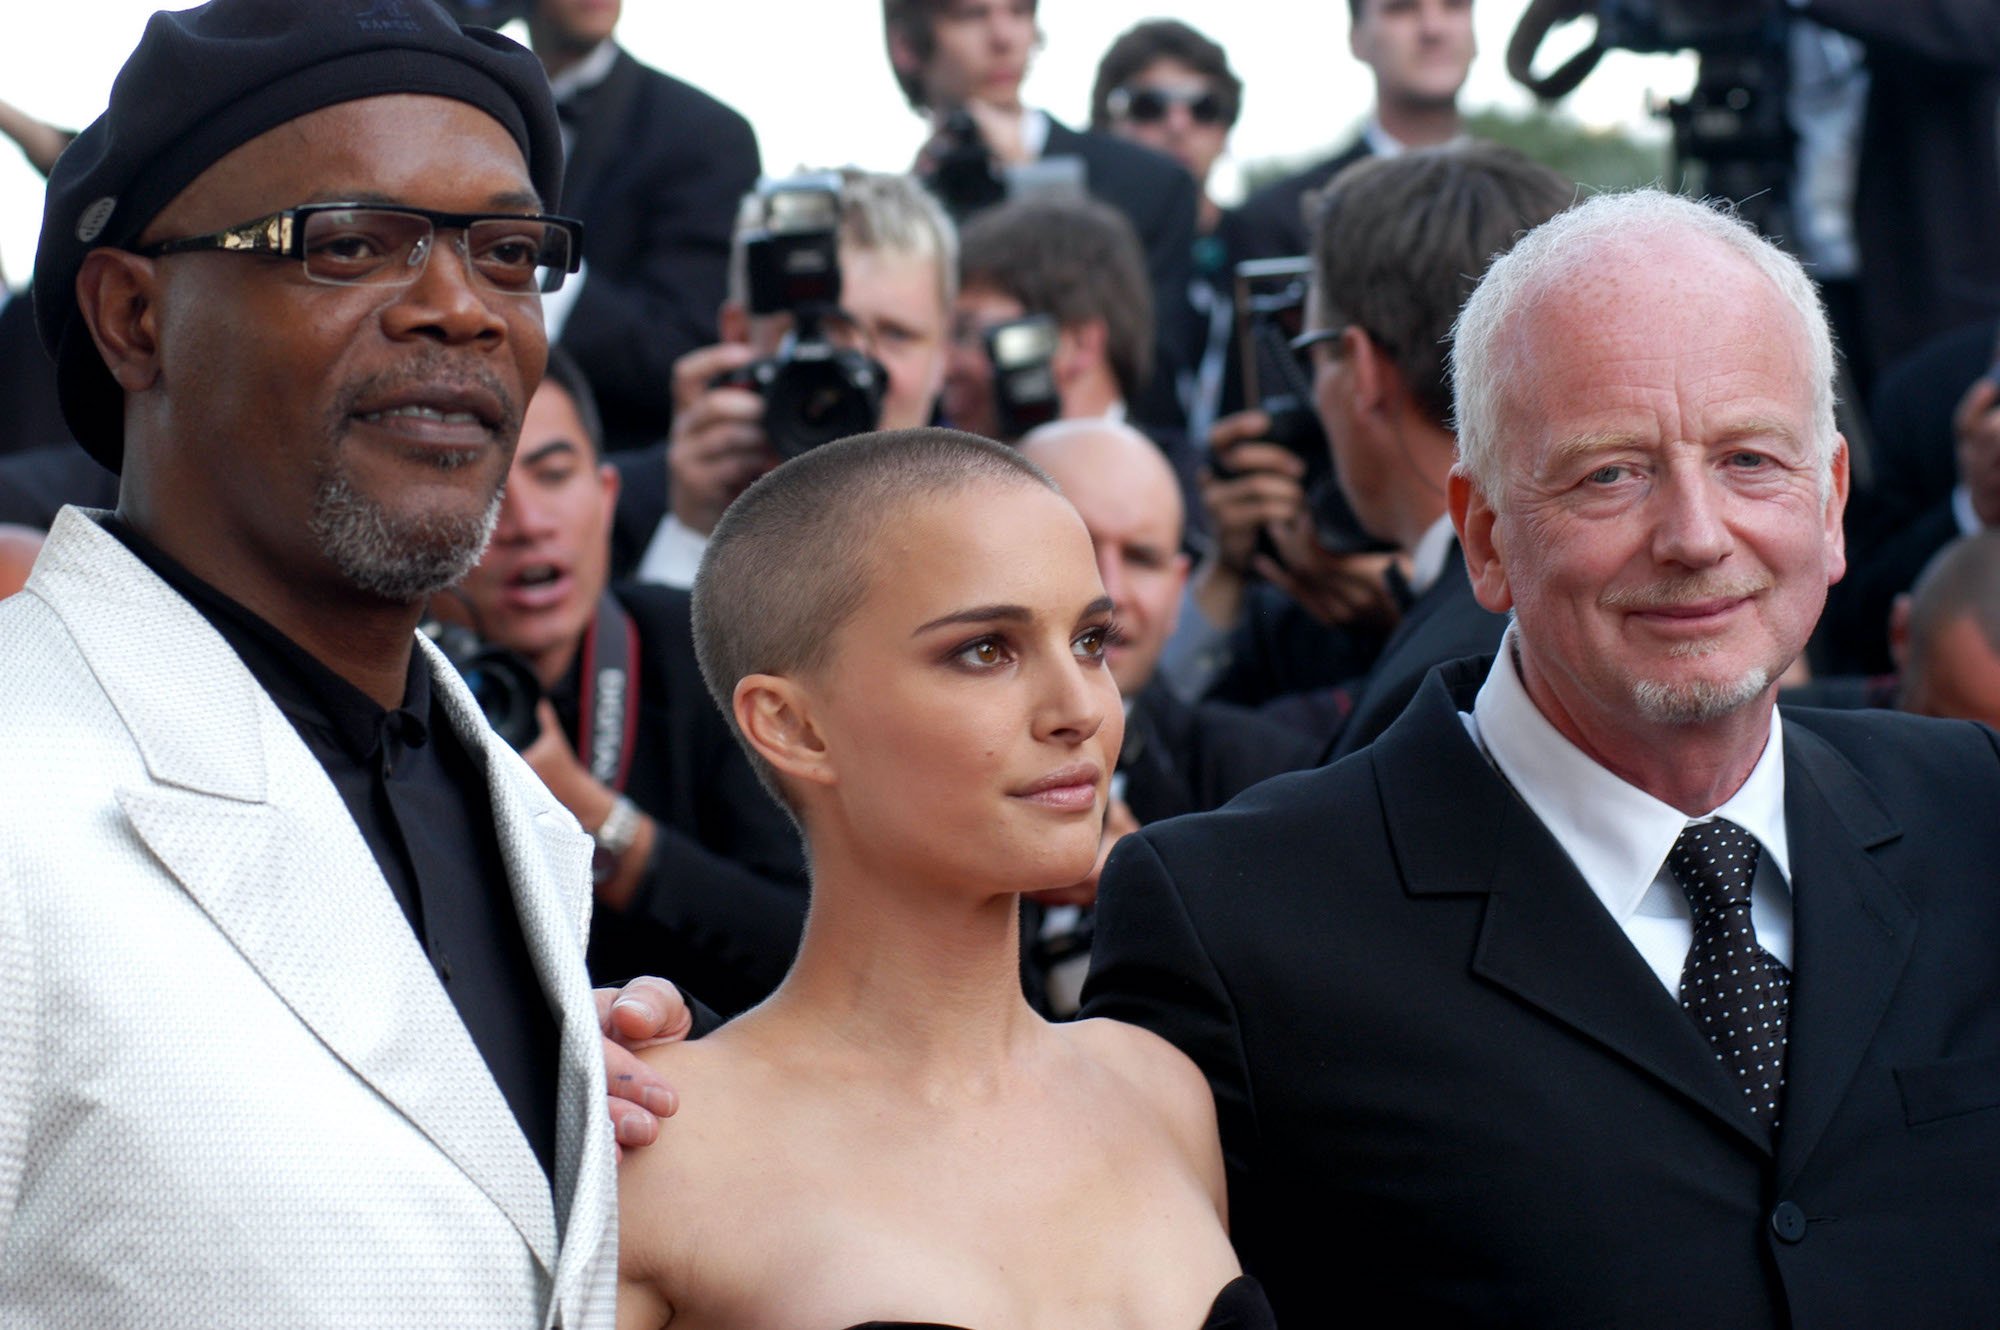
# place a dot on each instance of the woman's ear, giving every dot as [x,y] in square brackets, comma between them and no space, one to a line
[775,715]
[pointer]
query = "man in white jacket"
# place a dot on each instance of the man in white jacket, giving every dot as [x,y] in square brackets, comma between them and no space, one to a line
[294,1027]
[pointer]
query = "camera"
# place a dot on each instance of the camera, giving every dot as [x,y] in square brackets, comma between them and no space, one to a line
[965,179]
[1022,352]
[814,391]
[500,681]
[1270,312]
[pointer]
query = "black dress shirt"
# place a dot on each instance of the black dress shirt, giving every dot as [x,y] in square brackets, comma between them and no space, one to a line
[420,801]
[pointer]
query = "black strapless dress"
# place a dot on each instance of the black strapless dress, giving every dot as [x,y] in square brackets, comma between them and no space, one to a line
[1240,1306]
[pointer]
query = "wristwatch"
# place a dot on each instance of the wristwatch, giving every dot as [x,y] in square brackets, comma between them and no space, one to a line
[614,836]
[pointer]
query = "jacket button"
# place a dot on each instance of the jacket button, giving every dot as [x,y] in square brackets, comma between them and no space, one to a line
[1788,1222]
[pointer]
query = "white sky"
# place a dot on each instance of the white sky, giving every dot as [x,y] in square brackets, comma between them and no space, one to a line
[812,77]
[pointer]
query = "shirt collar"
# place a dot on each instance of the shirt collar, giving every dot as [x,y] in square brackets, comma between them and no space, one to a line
[1427,560]
[1034,133]
[586,73]
[1617,834]
[302,686]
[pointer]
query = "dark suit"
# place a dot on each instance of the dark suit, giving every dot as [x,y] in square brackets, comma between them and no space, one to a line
[722,902]
[1158,198]
[1446,623]
[1180,759]
[1927,201]
[655,175]
[1271,223]
[1451,1092]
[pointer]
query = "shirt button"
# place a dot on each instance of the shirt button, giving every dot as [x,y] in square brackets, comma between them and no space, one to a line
[1788,1222]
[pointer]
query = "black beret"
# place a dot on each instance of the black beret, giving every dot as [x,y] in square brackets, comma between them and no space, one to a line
[205,81]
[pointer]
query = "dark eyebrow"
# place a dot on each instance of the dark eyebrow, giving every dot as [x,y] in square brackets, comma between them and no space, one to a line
[978,614]
[549,449]
[1102,605]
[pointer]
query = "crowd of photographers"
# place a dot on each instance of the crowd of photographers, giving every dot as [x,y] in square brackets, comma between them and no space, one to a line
[1268,507]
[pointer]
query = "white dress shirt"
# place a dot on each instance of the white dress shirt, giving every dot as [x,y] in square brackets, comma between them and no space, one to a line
[672,556]
[1618,835]
[1428,555]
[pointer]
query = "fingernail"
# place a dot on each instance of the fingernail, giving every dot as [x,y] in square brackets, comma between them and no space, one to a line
[634,1004]
[635,1130]
[658,1100]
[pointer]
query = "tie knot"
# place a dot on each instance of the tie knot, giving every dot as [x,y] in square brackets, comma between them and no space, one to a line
[1714,862]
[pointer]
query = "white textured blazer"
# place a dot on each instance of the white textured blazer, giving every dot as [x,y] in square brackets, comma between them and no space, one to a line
[232,1092]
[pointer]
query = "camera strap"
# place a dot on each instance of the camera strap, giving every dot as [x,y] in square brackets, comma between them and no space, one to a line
[608,693]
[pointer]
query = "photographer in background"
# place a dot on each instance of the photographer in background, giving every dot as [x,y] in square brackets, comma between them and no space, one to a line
[1077,262]
[698,874]
[1419,52]
[1177,758]
[1167,87]
[654,169]
[897,258]
[1383,299]
[961,62]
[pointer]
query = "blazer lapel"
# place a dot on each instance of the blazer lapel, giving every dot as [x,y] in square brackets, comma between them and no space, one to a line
[1456,827]
[244,818]
[1852,930]
[548,867]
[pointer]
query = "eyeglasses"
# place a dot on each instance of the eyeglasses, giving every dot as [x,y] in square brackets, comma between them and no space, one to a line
[1149,105]
[357,244]
[1306,341]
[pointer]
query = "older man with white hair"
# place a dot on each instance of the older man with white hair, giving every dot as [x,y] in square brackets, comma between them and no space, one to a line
[1596,992]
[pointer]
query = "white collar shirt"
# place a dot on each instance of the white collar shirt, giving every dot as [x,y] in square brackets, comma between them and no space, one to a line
[1618,835]
[1427,557]
[672,556]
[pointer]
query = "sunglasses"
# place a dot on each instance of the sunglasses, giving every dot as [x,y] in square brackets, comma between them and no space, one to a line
[1149,105]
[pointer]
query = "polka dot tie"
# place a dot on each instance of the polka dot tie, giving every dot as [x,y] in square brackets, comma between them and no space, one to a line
[1736,991]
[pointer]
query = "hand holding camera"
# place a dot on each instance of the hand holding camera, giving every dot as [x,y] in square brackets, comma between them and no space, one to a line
[718,445]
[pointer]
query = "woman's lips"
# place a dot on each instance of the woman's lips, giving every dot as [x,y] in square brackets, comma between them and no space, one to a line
[1071,789]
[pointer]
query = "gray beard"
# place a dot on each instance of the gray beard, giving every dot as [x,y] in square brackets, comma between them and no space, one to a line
[400,559]
[1697,703]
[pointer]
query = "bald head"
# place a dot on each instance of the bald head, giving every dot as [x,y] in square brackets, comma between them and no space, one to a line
[1131,503]
[1951,646]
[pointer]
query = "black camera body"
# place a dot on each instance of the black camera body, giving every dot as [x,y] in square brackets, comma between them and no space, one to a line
[500,681]
[814,391]
[965,178]
[1022,352]
[1680,25]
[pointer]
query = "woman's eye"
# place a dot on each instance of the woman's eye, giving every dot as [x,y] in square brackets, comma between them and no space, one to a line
[985,651]
[1091,643]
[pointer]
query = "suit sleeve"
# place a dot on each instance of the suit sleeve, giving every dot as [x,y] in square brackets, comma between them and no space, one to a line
[17,1045]
[629,326]
[1949,32]
[1150,967]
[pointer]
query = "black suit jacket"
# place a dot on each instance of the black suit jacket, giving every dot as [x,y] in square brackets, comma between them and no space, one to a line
[1451,1092]
[722,903]
[1927,199]
[1158,197]
[1180,759]
[1271,223]
[1446,623]
[655,176]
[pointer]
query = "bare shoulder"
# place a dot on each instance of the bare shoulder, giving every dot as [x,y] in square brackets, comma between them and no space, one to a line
[685,1200]
[1159,1075]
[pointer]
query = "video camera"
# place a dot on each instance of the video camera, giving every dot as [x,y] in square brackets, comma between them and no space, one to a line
[1731,135]
[814,391]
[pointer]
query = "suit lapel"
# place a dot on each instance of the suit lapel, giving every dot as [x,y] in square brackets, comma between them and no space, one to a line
[548,868]
[1852,930]
[1456,827]
[601,135]
[244,818]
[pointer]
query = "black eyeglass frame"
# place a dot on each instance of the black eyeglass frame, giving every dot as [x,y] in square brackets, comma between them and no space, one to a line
[283,235]
[1121,101]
